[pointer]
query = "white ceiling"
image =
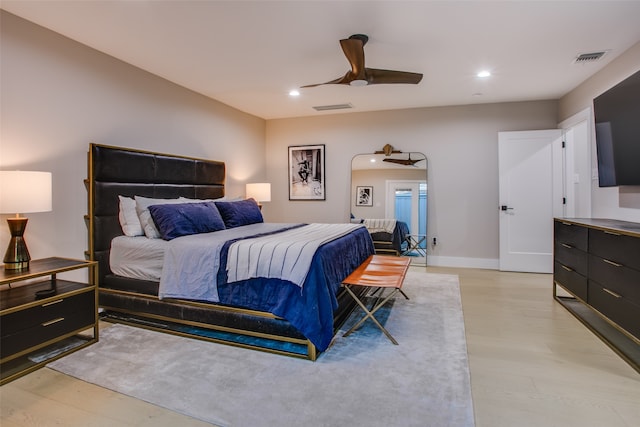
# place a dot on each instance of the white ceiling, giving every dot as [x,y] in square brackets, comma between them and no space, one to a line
[249,54]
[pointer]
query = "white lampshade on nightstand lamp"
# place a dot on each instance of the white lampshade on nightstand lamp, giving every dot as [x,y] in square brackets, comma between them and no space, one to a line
[260,192]
[22,192]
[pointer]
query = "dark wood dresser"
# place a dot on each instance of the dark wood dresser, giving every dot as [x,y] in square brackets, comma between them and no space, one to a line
[597,262]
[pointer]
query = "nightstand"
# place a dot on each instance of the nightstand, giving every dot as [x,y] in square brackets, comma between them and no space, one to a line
[43,317]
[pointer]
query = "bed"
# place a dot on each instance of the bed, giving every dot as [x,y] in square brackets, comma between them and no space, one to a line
[389,235]
[295,314]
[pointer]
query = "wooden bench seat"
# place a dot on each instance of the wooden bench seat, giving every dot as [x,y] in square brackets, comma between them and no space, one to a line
[378,272]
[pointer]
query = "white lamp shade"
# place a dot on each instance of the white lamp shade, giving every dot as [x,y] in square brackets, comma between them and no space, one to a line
[24,192]
[260,192]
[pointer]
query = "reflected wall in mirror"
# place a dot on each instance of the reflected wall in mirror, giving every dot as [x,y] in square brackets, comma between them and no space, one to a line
[398,191]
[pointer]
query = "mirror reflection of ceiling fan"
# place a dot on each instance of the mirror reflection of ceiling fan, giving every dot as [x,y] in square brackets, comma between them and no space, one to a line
[359,75]
[406,162]
[388,150]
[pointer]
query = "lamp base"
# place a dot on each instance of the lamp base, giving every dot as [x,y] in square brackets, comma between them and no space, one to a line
[24,265]
[17,256]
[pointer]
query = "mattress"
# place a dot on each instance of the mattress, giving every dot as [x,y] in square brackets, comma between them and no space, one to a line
[137,257]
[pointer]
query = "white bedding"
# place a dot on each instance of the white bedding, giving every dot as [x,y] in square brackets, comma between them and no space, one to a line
[380,225]
[187,266]
[137,257]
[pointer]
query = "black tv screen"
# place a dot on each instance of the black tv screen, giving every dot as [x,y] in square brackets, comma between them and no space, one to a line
[617,117]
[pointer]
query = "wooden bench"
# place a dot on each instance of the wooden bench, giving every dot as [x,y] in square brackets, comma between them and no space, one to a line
[378,272]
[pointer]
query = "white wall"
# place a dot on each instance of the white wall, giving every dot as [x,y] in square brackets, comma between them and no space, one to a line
[461,145]
[621,203]
[57,96]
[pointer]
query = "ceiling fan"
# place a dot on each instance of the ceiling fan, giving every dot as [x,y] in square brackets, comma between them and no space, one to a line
[359,75]
[406,162]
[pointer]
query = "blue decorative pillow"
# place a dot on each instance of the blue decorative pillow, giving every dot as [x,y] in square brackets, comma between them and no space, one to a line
[242,212]
[183,219]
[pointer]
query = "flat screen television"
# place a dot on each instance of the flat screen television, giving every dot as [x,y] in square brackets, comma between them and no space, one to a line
[617,117]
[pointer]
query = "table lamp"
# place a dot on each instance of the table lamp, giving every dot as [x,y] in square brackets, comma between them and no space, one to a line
[22,192]
[260,192]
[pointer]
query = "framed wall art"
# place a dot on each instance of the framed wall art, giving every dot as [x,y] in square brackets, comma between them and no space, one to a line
[364,196]
[306,172]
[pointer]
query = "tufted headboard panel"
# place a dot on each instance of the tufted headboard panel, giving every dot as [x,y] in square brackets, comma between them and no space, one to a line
[114,171]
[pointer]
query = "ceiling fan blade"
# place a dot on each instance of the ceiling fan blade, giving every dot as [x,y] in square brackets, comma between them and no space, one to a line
[377,76]
[340,80]
[353,49]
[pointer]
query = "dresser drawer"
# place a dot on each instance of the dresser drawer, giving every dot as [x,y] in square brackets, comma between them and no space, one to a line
[571,234]
[615,277]
[617,308]
[570,280]
[571,257]
[618,248]
[62,307]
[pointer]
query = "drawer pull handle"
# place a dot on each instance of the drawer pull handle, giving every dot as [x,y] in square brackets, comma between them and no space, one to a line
[612,233]
[567,246]
[566,268]
[566,223]
[615,264]
[51,322]
[52,302]
[612,293]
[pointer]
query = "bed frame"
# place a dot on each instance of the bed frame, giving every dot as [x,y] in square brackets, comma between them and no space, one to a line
[114,171]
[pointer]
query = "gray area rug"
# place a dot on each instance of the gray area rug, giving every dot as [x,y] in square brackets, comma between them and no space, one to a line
[361,380]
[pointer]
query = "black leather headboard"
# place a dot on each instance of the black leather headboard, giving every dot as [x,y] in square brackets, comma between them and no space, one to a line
[117,171]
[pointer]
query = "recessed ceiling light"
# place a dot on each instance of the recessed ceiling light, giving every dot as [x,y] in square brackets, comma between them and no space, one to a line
[294,92]
[484,73]
[372,160]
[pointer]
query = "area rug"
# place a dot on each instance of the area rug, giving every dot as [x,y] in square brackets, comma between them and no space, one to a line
[361,380]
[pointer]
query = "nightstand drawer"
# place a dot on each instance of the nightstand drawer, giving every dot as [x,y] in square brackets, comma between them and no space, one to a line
[571,234]
[615,277]
[571,257]
[570,280]
[64,306]
[46,331]
[614,306]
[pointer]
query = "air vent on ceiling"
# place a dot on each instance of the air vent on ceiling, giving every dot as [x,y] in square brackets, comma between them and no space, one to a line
[332,107]
[584,58]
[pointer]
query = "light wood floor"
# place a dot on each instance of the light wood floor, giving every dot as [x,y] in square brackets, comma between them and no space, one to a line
[532,364]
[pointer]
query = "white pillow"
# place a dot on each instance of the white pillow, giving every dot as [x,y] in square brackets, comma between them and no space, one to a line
[142,208]
[128,217]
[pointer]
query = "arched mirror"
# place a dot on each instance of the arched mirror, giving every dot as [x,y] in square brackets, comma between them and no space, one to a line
[389,194]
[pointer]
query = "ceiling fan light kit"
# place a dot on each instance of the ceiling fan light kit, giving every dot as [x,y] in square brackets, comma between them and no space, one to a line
[359,75]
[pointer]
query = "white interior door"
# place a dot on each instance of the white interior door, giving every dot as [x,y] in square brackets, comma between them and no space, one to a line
[530,181]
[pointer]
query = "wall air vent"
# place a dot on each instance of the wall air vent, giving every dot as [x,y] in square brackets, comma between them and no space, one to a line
[584,58]
[332,107]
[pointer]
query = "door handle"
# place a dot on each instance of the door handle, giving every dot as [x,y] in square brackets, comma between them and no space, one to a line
[505,208]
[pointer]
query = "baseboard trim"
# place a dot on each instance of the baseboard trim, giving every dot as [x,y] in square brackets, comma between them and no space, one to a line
[461,262]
